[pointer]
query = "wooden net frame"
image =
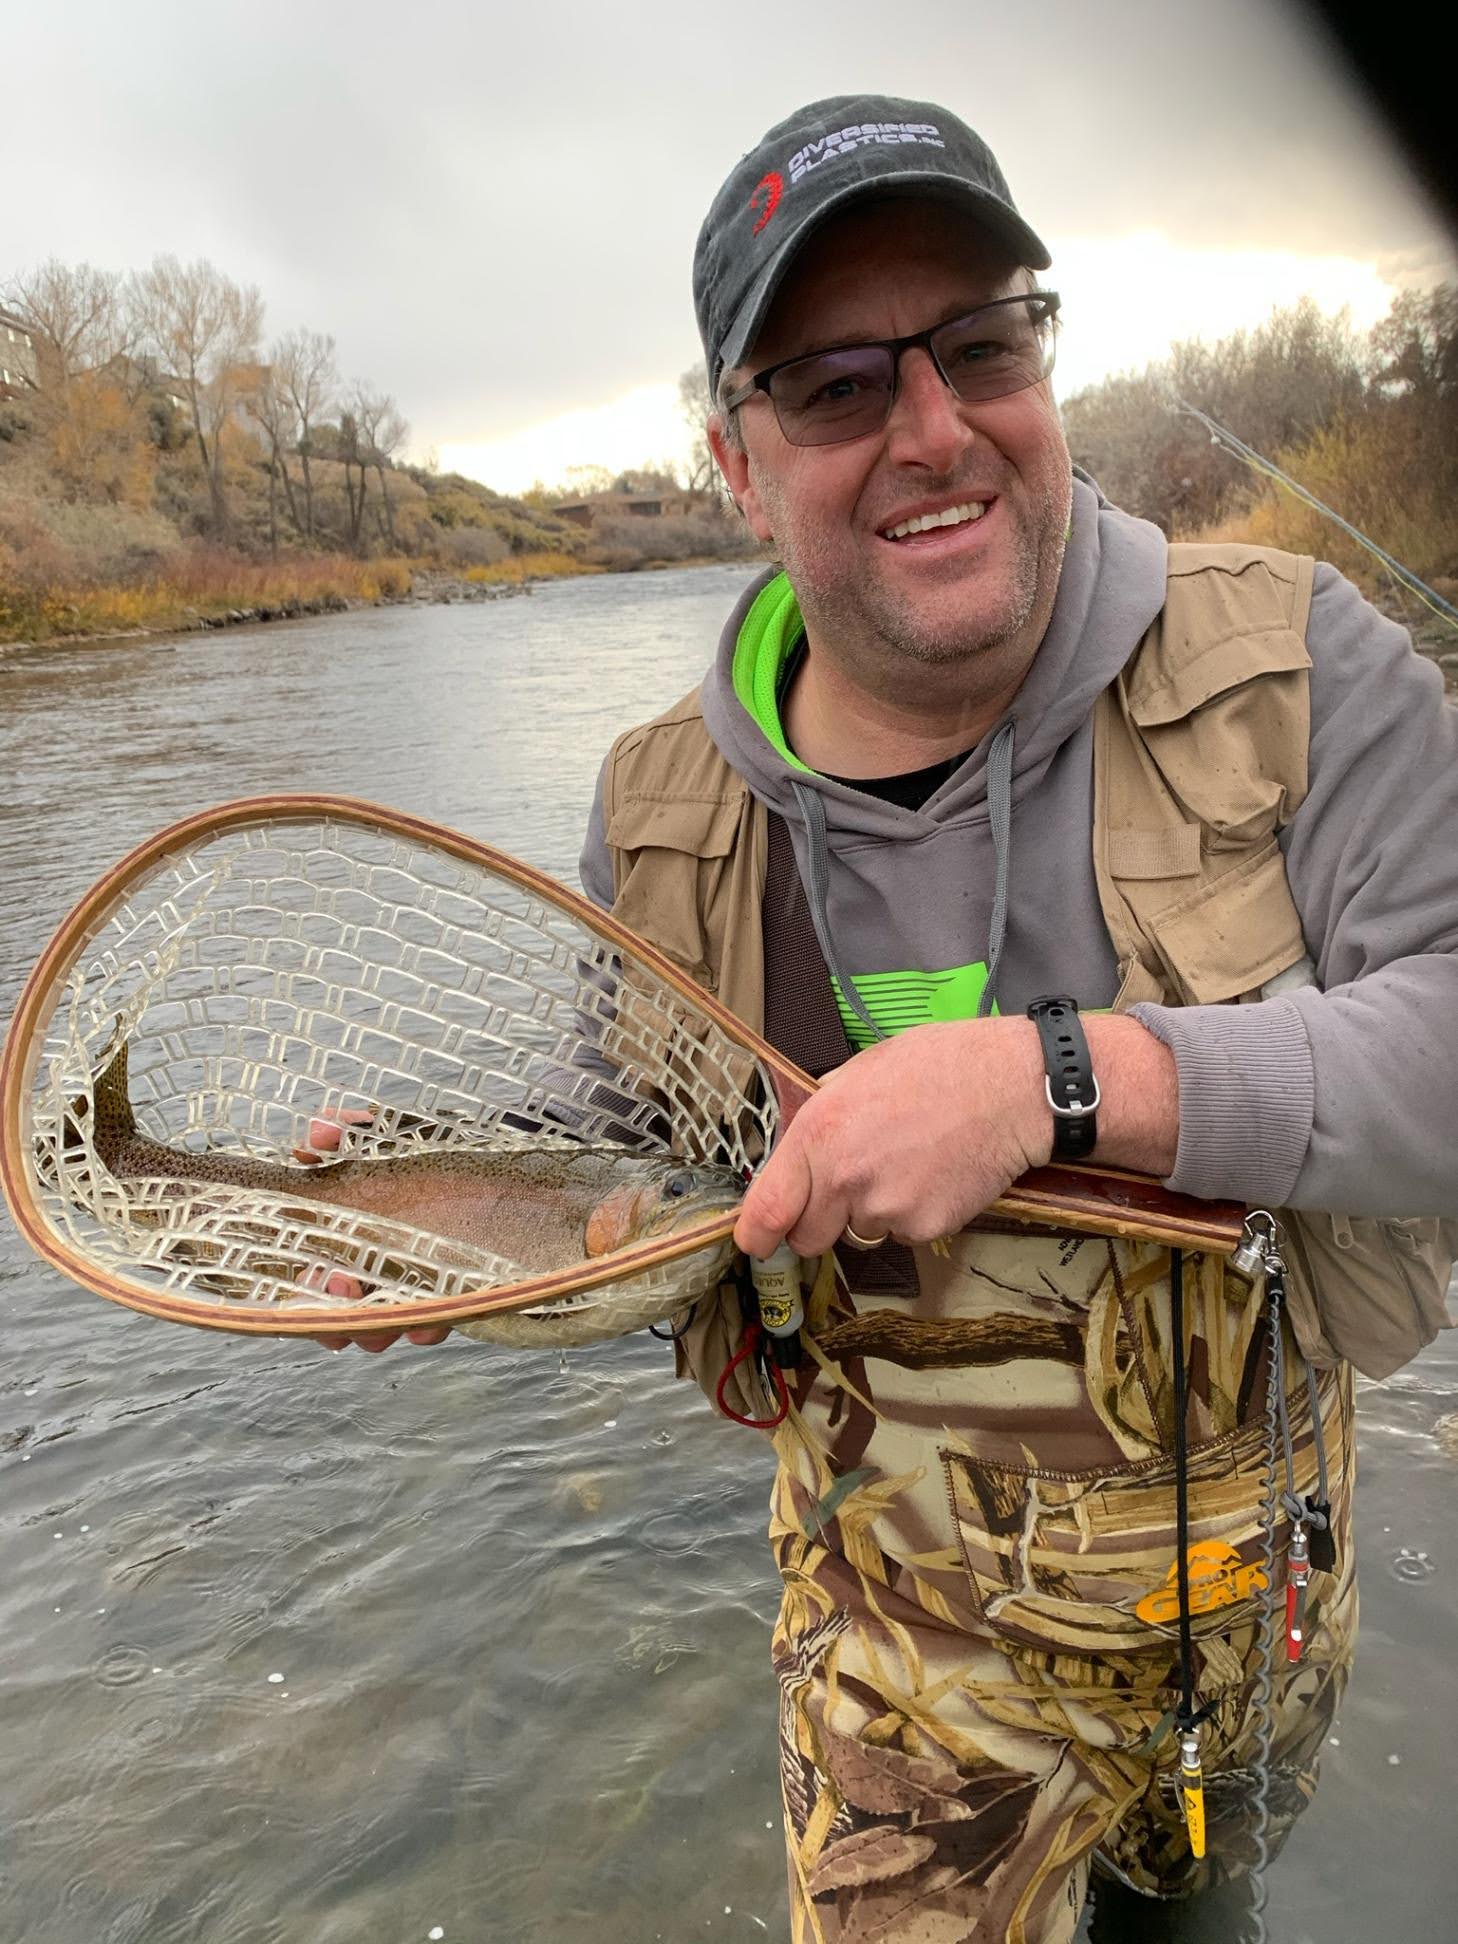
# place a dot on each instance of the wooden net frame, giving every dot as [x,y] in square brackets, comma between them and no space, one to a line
[281,959]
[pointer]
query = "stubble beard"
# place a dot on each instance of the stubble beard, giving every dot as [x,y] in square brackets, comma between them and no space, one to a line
[874,631]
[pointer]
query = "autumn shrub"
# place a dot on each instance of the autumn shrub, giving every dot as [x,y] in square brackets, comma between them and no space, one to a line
[626,541]
[1391,471]
[43,593]
[463,547]
[542,565]
[1275,386]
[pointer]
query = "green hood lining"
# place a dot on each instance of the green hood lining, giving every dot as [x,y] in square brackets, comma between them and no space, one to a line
[766,641]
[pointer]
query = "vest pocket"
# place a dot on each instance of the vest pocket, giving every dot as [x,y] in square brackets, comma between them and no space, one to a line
[1369,1289]
[1233,934]
[669,837]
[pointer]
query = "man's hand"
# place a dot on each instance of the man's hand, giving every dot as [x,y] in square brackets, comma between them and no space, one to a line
[339,1282]
[918,1134]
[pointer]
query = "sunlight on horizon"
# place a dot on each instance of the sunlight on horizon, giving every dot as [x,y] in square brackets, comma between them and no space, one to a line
[1125,302]
[1128,300]
[643,428]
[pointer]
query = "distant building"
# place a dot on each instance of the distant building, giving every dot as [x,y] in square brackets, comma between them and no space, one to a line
[18,371]
[646,506]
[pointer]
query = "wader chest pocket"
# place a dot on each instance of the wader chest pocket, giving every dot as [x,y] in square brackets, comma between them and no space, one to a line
[1057,1561]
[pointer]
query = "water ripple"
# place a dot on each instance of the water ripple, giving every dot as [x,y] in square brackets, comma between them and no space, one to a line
[119,1666]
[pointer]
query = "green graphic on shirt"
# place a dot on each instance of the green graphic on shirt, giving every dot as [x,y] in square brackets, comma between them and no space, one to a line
[896,1000]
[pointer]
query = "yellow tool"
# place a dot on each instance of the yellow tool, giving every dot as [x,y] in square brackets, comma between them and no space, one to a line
[1192,1790]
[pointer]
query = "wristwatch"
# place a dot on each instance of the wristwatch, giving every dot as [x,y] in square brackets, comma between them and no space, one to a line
[1073,1092]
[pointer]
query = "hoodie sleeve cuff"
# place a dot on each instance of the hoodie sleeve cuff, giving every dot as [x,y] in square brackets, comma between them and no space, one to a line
[1247,1097]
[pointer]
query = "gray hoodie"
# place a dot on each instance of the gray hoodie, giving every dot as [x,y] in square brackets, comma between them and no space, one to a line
[1340,1096]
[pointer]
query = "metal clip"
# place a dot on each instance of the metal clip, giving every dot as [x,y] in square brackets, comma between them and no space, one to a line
[1257,1244]
[1192,1789]
[1298,1573]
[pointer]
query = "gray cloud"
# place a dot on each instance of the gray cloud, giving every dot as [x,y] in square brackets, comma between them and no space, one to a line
[493,209]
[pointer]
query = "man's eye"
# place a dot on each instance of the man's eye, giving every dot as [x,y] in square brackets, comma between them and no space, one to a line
[978,351]
[836,390]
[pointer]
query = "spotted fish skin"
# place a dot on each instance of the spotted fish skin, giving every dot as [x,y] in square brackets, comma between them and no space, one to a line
[544,1207]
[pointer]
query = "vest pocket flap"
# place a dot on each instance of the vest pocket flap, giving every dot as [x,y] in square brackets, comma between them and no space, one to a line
[1153,854]
[1224,665]
[1233,934]
[699,826]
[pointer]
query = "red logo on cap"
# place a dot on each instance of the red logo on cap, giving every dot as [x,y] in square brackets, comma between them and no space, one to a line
[766,197]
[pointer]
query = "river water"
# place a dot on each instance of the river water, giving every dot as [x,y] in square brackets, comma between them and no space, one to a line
[521,1606]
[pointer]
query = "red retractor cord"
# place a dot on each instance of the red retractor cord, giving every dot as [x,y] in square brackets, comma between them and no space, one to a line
[753,1337]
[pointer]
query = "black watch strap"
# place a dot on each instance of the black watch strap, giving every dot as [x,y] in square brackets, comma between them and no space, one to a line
[1073,1092]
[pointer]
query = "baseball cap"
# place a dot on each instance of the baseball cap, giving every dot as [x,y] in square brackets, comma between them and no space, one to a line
[816,161]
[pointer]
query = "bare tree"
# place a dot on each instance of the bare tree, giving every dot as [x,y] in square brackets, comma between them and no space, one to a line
[303,365]
[351,451]
[1416,346]
[696,402]
[204,330]
[75,315]
[268,404]
[1275,386]
[382,432]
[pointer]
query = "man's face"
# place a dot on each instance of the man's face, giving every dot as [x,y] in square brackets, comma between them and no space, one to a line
[882,271]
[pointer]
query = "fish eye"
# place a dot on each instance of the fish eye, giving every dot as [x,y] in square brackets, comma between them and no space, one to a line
[680,1183]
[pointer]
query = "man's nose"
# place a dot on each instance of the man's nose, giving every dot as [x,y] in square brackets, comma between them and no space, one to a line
[928,425]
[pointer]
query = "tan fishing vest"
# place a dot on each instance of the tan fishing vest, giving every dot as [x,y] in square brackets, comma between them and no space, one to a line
[1200,756]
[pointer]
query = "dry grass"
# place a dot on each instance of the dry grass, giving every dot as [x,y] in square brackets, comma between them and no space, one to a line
[530,566]
[195,584]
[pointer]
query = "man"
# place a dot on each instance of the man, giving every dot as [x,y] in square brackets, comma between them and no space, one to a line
[983,739]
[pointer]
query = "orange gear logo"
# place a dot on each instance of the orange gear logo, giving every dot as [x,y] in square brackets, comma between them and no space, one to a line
[766,197]
[1217,1579]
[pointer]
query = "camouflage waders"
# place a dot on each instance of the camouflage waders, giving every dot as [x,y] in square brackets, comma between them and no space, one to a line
[970,1706]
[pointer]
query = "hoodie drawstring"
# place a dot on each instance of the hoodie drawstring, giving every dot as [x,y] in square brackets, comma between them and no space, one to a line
[817,887]
[817,891]
[999,811]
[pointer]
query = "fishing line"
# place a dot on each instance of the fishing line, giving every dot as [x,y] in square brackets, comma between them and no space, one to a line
[1220,435]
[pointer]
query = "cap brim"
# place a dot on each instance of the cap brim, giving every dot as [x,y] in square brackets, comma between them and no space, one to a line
[990,211]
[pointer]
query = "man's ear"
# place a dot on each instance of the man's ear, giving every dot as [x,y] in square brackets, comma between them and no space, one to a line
[733,462]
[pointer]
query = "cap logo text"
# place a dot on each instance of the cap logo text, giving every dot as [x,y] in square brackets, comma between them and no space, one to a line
[844,141]
[766,197]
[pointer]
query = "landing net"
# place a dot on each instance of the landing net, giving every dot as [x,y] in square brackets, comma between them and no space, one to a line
[276,963]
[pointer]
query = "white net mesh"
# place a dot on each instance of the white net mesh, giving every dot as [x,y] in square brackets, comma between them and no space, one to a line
[294,967]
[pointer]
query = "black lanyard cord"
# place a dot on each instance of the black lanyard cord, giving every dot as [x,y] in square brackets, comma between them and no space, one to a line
[1186,1715]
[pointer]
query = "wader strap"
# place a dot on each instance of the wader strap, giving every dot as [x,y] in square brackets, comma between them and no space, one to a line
[801,1021]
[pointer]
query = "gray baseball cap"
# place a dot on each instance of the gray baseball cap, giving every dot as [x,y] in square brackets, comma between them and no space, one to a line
[814,162]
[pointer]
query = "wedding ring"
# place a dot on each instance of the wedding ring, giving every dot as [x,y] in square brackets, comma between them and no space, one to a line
[863,1241]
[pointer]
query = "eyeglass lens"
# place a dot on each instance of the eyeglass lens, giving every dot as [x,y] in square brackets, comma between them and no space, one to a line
[846,393]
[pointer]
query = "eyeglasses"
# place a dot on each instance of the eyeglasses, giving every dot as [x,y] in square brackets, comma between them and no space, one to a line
[847,390]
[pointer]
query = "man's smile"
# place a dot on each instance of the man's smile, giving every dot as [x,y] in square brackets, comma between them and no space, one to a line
[926,520]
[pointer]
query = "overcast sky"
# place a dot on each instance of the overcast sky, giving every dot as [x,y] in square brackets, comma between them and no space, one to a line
[493,209]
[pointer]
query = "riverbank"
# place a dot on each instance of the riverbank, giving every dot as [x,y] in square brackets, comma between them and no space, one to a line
[129,614]
[134,613]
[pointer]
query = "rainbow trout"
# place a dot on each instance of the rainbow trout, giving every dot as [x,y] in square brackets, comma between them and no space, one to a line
[543,1208]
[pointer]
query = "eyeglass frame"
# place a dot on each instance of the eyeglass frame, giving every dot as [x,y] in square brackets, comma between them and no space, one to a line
[761,380]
